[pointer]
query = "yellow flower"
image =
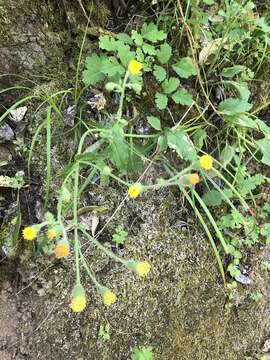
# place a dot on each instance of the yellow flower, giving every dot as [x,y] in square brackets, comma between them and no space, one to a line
[52,233]
[109,298]
[78,303]
[134,67]
[134,190]
[62,249]
[194,179]
[206,162]
[30,233]
[143,268]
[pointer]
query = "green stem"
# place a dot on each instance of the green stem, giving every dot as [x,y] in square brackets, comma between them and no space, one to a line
[211,219]
[206,229]
[122,96]
[244,203]
[89,272]
[103,248]
[75,219]
[48,154]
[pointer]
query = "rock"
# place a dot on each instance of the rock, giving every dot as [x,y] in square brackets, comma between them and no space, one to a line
[6,133]
[243,279]
[266,346]
[18,114]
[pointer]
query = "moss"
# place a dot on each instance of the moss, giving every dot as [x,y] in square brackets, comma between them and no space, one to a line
[178,309]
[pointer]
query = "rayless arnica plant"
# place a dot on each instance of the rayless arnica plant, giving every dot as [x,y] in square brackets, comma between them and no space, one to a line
[124,65]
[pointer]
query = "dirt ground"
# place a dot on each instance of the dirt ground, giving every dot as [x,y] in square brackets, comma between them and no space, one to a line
[179,310]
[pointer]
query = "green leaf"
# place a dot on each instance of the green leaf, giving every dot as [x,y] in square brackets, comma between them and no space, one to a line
[162,143]
[209,2]
[212,198]
[112,67]
[150,32]
[241,88]
[124,38]
[93,72]
[265,129]
[164,53]
[230,72]
[108,43]
[170,85]
[119,148]
[149,49]
[142,353]
[125,55]
[242,120]
[250,183]
[185,68]
[233,106]
[265,230]
[120,235]
[161,100]
[182,97]
[215,197]
[137,38]
[181,143]
[154,122]
[140,56]
[159,73]
[261,22]
[227,154]
[264,146]
[199,137]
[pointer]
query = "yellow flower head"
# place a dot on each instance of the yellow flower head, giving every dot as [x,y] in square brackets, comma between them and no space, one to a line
[30,233]
[194,179]
[61,249]
[134,190]
[52,233]
[134,67]
[109,298]
[78,301]
[206,162]
[143,268]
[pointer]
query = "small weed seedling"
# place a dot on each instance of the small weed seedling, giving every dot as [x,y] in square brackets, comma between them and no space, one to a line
[142,353]
[104,332]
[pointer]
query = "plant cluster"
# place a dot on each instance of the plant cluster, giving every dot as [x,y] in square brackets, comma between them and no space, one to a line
[126,65]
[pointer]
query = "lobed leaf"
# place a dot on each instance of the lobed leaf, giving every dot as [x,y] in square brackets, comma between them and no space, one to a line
[185,68]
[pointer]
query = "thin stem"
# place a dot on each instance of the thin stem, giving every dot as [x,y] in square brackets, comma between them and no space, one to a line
[206,229]
[211,219]
[75,219]
[122,96]
[89,272]
[103,248]
[48,153]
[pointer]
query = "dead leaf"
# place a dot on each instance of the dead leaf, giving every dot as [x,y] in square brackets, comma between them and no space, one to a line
[98,102]
[6,181]
[210,48]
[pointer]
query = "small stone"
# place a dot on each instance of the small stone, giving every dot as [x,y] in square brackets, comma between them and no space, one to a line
[41,292]
[266,346]
[243,279]
[265,357]
[18,114]
[6,133]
